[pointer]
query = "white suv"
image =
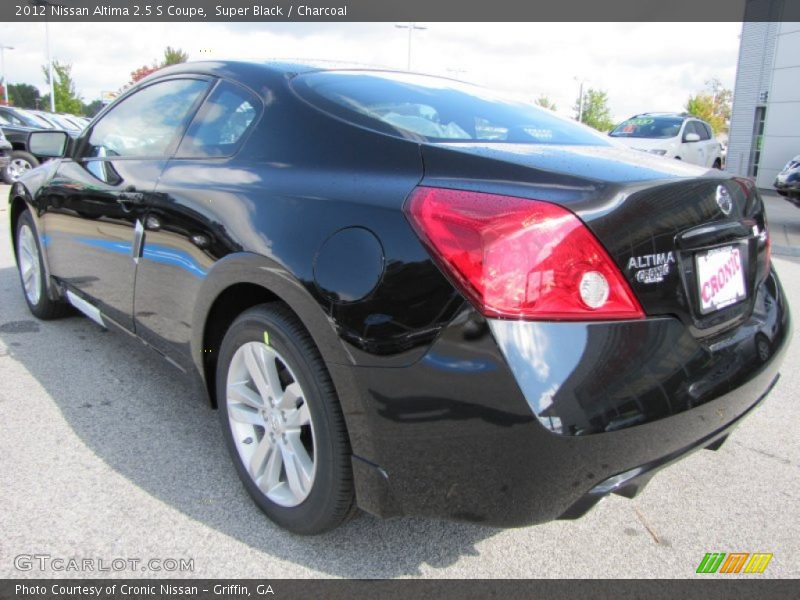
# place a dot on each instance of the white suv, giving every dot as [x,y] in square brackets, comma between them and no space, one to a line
[673,136]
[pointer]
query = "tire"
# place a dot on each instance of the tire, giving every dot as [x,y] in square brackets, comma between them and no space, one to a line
[30,266]
[19,163]
[311,497]
[717,164]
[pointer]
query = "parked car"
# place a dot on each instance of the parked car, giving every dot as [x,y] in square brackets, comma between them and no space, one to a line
[672,136]
[405,294]
[17,124]
[5,151]
[21,117]
[59,121]
[76,120]
[787,183]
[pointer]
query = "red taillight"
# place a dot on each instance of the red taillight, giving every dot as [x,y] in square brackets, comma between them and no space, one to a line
[518,258]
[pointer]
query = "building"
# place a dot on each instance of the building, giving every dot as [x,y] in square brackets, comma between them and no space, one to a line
[765,119]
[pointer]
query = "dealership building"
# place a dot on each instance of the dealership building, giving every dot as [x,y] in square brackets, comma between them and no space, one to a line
[765,120]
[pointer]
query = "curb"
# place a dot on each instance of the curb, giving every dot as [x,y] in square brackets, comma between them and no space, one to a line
[785,251]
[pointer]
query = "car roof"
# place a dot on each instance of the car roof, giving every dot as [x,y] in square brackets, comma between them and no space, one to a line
[278,67]
[664,114]
[253,73]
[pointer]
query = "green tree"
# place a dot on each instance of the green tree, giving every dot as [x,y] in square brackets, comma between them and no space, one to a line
[712,105]
[67,98]
[23,95]
[94,107]
[596,112]
[174,56]
[545,102]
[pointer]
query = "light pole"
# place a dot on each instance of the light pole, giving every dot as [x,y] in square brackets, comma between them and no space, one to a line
[50,69]
[580,99]
[411,27]
[3,68]
[46,3]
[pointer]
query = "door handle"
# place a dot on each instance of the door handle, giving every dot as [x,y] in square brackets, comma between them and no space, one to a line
[130,197]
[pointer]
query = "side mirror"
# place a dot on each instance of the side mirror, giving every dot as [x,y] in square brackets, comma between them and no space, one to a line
[691,137]
[50,144]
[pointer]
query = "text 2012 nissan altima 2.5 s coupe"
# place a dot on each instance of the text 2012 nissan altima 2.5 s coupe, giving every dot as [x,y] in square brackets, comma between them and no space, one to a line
[407,295]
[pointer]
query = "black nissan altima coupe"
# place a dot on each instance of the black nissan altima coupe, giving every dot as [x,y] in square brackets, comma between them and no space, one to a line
[406,295]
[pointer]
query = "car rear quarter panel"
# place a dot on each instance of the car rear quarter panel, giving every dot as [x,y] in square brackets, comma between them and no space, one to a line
[302,177]
[266,213]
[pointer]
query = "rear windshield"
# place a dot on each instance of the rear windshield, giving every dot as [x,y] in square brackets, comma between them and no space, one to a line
[436,110]
[648,127]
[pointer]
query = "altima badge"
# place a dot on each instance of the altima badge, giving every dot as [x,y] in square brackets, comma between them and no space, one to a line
[652,268]
[724,200]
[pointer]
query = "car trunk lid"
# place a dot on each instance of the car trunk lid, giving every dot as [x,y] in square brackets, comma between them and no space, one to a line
[690,242]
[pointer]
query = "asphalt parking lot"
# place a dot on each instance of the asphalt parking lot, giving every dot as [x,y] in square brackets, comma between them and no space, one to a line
[107,454]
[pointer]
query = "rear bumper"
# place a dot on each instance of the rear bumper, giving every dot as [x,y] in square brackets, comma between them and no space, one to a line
[633,481]
[473,432]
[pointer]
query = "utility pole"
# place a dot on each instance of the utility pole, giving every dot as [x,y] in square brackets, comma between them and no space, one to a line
[3,68]
[411,27]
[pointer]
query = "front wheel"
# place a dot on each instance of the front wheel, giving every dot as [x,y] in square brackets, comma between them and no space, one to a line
[20,163]
[282,422]
[30,265]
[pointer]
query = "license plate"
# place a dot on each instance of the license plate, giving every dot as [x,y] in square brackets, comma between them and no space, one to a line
[720,278]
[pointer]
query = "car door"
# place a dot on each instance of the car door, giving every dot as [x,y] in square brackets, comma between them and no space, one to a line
[711,146]
[689,150]
[95,202]
[184,234]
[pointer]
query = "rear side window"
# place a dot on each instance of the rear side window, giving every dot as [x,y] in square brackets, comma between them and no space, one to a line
[148,122]
[220,125]
[433,109]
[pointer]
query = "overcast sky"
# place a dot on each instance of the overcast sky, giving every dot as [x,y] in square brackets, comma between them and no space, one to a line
[642,66]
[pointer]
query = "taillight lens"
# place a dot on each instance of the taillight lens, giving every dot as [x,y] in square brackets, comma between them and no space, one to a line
[520,259]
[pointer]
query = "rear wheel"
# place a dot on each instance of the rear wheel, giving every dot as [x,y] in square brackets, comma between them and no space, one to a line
[30,265]
[20,163]
[718,164]
[282,422]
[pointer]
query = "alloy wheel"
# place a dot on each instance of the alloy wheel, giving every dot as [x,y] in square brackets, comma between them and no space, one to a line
[29,265]
[271,424]
[17,168]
